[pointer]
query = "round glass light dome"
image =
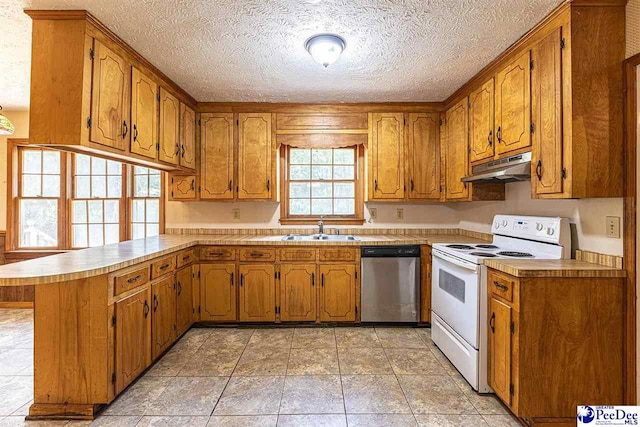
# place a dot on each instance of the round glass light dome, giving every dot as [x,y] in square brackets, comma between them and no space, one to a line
[325,49]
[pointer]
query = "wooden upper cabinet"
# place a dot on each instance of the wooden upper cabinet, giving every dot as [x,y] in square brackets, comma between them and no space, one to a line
[386,157]
[338,293]
[187,137]
[183,187]
[163,315]
[144,115]
[456,152]
[217,292]
[481,119]
[298,292]
[169,148]
[184,296]
[546,100]
[257,293]
[256,157]
[133,337]
[513,103]
[217,152]
[423,156]
[109,98]
[499,377]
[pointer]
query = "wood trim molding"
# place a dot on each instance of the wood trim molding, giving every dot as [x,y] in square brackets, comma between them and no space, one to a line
[266,107]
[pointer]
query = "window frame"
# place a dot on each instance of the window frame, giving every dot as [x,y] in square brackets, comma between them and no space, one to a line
[131,197]
[287,218]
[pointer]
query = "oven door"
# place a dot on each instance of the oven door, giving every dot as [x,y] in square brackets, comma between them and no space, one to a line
[455,294]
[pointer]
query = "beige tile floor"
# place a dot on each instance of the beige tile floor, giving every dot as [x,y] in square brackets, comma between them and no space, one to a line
[228,377]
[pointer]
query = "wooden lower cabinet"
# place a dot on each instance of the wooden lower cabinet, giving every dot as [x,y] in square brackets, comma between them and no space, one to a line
[132,337]
[500,349]
[184,299]
[218,292]
[163,316]
[257,293]
[338,293]
[298,292]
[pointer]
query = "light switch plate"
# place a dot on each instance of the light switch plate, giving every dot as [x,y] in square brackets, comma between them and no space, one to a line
[399,213]
[235,213]
[373,212]
[613,227]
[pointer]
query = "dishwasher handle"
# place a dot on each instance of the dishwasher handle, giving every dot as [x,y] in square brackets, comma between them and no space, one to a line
[404,251]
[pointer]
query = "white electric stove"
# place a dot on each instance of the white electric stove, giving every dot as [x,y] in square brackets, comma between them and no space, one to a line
[459,315]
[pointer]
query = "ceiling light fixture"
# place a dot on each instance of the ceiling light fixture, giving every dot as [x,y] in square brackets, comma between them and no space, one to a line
[6,127]
[325,49]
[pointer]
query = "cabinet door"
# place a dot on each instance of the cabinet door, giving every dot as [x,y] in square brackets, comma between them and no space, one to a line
[386,157]
[546,99]
[144,115]
[298,292]
[338,293]
[183,187]
[513,96]
[216,167]
[456,152]
[184,296]
[109,98]
[257,293]
[423,150]
[500,349]
[256,153]
[169,148]
[217,292]
[133,337]
[481,118]
[187,137]
[163,316]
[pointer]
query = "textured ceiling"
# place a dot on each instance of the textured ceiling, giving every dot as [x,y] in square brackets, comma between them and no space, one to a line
[253,50]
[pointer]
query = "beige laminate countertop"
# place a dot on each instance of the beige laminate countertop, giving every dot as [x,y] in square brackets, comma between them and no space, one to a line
[92,262]
[553,268]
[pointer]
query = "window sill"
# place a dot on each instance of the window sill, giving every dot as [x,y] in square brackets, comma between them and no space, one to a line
[326,221]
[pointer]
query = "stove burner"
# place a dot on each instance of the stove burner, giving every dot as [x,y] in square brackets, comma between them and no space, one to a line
[483,254]
[515,254]
[486,247]
[462,247]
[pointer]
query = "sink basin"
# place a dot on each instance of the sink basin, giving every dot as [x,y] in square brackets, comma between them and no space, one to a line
[320,237]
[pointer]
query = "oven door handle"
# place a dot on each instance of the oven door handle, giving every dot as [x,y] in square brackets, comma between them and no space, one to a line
[454,261]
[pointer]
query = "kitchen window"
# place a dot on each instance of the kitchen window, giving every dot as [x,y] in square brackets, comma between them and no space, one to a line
[322,183]
[145,202]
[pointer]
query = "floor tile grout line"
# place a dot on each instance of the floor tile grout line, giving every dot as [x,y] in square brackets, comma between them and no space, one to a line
[344,399]
[284,380]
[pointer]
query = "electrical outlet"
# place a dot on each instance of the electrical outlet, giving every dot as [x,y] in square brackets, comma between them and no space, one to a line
[373,212]
[613,227]
[235,213]
[399,213]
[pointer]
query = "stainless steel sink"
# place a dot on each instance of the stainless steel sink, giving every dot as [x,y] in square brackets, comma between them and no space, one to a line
[320,237]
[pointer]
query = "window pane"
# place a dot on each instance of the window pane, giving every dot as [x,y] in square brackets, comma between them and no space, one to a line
[154,185]
[38,223]
[114,186]
[80,239]
[343,172]
[153,230]
[299,189]
[112,211]
[321,206]
[31,185]
[99,186]
[344,156]
[98,166]
[95,211]
[31,161]
[299,206]
[137,231]
[153,210]
[139,170]
[140,186]
[83,187]
[114,168]
[96,237]
[300,172]
[298,156]
[344,206]
[344,189]
[51,186]
[138,210]
[111,234]
[321,156]
[83,164]
[79,209]
[321,172]
[321,189]
[51,162]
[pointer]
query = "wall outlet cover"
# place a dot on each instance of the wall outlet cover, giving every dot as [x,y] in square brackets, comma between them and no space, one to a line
[373,213]
[235,213]
[399,213]
[613,227]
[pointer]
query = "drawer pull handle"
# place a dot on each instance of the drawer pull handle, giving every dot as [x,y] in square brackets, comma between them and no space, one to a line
[134,279]
[164,266]
[186,257]
[257,255]
[492,322]
[146,308]
[215,254]
[500,286]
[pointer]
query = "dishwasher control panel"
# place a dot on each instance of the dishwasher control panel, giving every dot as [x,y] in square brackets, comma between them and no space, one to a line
[389,251]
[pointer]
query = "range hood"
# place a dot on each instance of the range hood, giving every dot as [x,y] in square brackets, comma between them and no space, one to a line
[511,169]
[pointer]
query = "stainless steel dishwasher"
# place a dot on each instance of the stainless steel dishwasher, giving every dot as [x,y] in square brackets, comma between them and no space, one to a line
[390,284]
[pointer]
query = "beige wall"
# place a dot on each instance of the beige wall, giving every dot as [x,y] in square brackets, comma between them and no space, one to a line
[20,120]
[633,28]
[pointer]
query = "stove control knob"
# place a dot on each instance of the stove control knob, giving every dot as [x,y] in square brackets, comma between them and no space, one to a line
[496,225]
[504,223]
[539,226]
[551,231]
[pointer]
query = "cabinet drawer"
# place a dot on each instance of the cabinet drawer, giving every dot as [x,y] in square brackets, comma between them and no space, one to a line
[185,258]
[297,254]
[257,254]
[338,254]
[164,266]
[127,281]
[501,285]
[211,253]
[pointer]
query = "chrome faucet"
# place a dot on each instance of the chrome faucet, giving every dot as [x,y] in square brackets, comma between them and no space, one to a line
[321,226]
